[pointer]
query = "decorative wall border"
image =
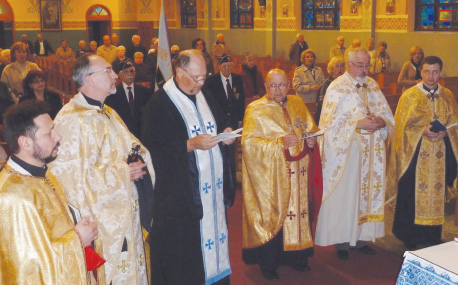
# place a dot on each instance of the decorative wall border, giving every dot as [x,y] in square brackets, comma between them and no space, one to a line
[124,24]
[392,23]
[218,23]
[260,23]
[351,23]
[286,23]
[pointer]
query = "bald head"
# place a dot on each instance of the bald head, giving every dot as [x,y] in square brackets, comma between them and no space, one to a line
[191,71]
[277,85]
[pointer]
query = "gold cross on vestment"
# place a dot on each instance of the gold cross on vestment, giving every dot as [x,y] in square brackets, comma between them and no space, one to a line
[379,148]
[377,186]
[301,125]
[123,266]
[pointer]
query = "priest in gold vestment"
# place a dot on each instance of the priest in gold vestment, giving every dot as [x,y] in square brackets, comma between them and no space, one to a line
[423,166]
[92,162]
[281,177]
[354,159]
[40,243]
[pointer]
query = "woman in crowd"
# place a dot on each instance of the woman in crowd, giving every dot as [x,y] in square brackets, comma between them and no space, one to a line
[308,78]
[15,72]
[410,72]
[34,86]
[336,67]
[253,83]
[381,62]
[199,44]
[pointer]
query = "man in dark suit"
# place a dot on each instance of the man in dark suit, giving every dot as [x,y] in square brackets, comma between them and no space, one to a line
[42,47]
[227,89]
[129,97]
[296,50]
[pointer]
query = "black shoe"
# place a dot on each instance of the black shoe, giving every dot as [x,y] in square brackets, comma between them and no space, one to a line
[342,254]
[410,246]
[301,267]
[367,250]
[271,275]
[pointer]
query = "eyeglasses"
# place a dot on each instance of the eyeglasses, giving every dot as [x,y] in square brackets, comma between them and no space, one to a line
[107,70]
[227,66]
[362,66]
[127,71]
[196,80]
[280,86]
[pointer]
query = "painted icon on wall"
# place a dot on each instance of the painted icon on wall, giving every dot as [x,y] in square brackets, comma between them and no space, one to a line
[50,15]
[390,5]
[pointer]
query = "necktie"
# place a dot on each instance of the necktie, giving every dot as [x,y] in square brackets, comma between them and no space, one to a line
[230,93]
[131,100]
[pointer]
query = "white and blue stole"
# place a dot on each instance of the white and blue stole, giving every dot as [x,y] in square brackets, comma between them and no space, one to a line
[213,228]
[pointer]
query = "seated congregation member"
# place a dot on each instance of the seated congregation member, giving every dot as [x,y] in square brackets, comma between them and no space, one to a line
[410,74]
[199,44]
[336,67]
[40,244]
[35,88]
[308,78]
[278,215]
[82,49]
[140,68]
[339,49]
[129,98]
[381,62]
[189,237]
[253,83]
[65,53]
[135,47]
[15,72]
[92,47]
[5,59]
[92,160]
[423,164]
[6,100]
[120,56]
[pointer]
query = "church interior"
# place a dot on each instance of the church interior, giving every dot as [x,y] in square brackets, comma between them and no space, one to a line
[265,28]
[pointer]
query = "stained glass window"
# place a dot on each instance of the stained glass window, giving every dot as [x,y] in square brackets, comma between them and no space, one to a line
[320,14]
[188,14]
[98,11]
[439,15]
[242,14]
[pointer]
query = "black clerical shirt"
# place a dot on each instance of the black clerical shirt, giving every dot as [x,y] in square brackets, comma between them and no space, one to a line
[32,169]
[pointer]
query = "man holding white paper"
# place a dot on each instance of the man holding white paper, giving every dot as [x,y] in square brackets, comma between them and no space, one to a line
[282,182]
[189,234]
[423,165]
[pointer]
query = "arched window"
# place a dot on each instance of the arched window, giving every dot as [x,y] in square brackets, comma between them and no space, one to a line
[436,15]
[6,25]
[320,14]
[188,14]
[242,14]
[98,22]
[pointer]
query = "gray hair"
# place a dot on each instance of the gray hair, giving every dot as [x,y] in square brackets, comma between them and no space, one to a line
[81,68]
[120,48]
[334,60]
[184,58]
[354,51]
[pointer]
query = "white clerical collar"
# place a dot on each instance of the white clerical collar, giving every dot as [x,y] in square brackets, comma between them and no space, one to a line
[16,167]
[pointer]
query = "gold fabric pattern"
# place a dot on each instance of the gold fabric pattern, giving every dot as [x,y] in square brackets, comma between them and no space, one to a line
[38,242]
[414,112]
[93,160]
[274,190]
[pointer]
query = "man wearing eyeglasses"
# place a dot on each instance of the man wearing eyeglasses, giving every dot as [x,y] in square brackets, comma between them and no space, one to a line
[189,235]
[129,98]
[93,166]
[227,88]
[281,196]
[354,159]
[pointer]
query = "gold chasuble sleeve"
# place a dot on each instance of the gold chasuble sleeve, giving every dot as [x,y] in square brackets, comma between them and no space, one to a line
[413,114]
[92,164]
[38,242]
[272,199]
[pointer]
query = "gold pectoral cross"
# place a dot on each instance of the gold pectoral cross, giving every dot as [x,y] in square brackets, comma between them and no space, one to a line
[302,125]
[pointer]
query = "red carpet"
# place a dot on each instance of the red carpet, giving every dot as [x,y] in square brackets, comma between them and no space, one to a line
[382,268]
